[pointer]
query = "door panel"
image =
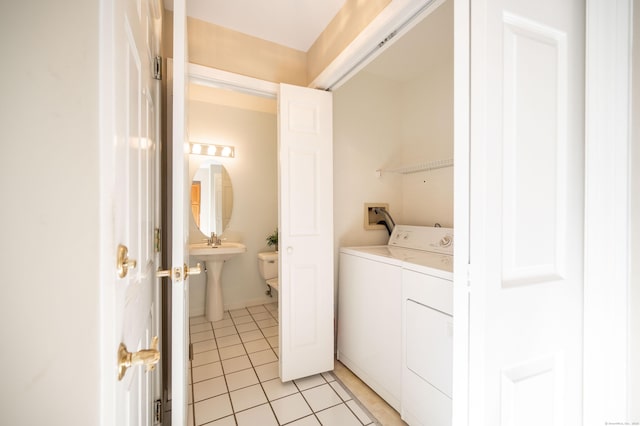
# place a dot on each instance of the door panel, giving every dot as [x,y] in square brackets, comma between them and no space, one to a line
[534,147]
[134,203]
[306,231]
[526,204]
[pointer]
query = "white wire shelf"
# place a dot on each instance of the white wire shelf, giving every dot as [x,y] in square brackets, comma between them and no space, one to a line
[420,167]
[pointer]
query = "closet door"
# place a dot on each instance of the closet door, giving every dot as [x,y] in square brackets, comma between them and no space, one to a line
[305,149]
[526,204]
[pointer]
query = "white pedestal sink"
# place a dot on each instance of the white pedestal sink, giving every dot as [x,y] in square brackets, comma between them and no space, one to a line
[215,258]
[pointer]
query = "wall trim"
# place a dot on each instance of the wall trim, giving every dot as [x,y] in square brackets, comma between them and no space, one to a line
[212,77]
[394,21]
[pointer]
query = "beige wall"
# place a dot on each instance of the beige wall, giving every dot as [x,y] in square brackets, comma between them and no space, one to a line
[253,174]
[49,219]
[228,50]
[217,47]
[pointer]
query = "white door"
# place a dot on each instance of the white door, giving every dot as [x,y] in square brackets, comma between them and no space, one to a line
[305,188]
[180,206]
[131,294]
[526,212]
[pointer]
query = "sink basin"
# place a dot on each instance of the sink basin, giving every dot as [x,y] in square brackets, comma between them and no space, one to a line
[215,258]
[223,252]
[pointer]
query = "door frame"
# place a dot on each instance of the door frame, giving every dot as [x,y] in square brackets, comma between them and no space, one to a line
[607,395]
[213,77]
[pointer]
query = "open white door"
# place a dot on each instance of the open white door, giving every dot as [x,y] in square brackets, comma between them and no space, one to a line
[179,220]
[526,212]
[130,102]
[305,149]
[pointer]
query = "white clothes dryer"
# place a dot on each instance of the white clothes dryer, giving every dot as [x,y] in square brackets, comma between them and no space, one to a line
[395,320]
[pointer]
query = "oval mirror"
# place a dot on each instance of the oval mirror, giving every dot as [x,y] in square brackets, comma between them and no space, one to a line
[211,197]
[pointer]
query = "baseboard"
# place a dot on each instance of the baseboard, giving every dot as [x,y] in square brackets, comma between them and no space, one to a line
[265,300]
[252,302]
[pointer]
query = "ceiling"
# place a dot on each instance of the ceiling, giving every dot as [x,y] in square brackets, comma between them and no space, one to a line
[292,23]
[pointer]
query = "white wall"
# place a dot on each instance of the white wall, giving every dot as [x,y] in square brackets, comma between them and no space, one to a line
[253,174]
[49,239]
[366,129]
[380,123]
[427,134]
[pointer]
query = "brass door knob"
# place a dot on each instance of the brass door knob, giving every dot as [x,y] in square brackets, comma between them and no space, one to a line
[192,270]
[147,357]
[124,263]
[188,270]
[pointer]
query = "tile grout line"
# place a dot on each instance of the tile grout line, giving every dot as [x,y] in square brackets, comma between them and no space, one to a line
[250,363]
[224,375]
[355,401]
[313,413]
[252,367]
[193,397]
[256,373]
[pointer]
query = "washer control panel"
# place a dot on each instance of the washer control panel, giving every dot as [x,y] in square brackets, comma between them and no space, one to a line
[427,238]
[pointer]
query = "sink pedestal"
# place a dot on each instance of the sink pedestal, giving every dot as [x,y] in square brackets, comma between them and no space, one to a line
[214,308]
[215,258]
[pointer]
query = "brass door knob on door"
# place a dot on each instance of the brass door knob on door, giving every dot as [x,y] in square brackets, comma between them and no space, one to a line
[188,270]
[192,270]
[124,263]
[147,357]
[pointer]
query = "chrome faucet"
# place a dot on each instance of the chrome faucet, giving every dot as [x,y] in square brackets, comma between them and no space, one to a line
[214,240]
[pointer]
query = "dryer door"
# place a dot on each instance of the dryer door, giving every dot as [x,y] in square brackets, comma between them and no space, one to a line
[429,345]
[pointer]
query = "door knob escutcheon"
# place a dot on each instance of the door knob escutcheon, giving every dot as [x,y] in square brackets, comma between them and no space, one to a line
[147,357]
[124,263]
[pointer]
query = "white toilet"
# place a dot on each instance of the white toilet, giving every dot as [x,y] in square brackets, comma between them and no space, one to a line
[268,266]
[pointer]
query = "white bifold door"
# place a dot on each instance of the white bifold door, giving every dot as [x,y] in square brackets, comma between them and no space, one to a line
[305,188]
[526,212]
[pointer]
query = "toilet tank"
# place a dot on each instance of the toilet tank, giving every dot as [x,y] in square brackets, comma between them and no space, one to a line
[268,264]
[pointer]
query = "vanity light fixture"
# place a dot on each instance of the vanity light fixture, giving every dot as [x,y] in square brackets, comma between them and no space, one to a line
[212,150]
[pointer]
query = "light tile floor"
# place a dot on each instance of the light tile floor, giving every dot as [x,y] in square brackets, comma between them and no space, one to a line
[234,378]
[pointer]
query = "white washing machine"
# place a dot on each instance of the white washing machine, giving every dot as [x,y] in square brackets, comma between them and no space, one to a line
[395,320]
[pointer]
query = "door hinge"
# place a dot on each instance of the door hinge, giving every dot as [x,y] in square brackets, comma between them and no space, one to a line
[157,411]
[157,68]
[157,243]
[190,351]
